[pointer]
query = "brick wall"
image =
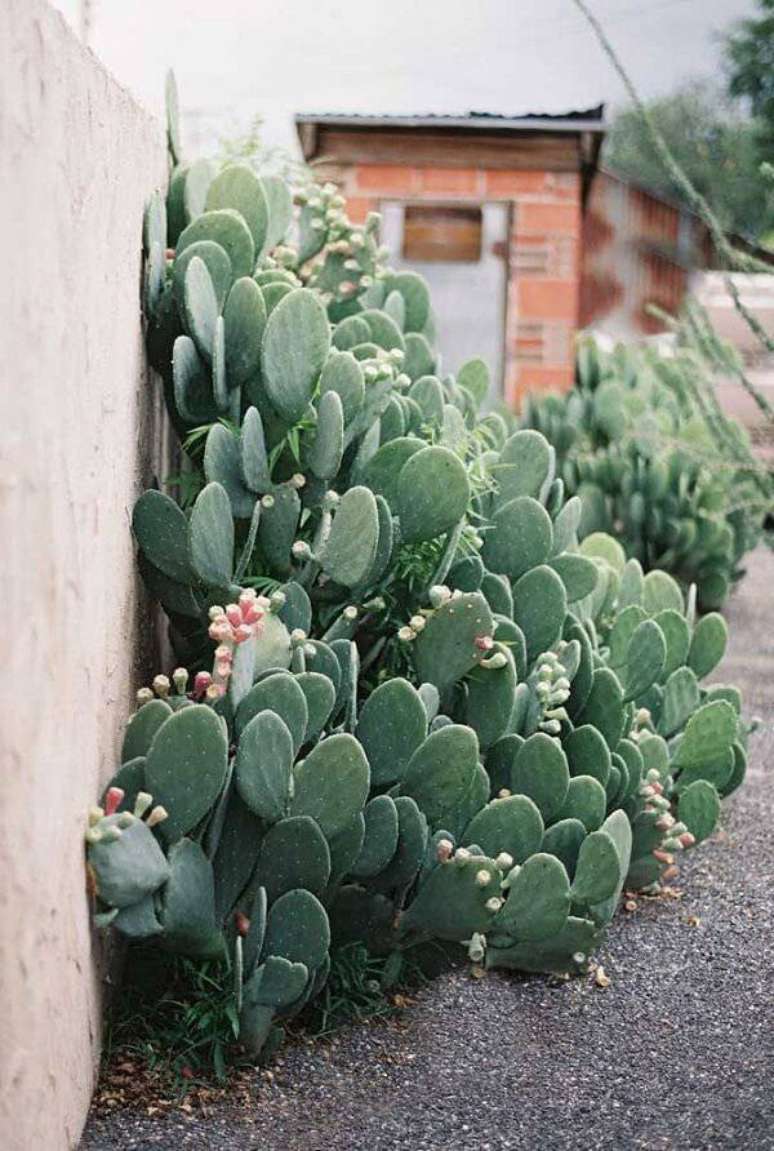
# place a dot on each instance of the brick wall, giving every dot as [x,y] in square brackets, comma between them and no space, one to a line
[543,253]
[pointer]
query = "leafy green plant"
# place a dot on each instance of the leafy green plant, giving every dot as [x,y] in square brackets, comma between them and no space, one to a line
[642,441]
[445,721]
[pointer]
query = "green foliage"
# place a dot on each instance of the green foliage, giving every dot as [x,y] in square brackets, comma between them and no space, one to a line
[643,443]
[718,147]
[448,720]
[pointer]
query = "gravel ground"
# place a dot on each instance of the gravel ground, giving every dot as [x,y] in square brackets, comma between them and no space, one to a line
[677,1052]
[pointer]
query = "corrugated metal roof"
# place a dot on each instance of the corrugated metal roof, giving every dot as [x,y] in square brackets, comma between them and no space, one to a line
[586,120]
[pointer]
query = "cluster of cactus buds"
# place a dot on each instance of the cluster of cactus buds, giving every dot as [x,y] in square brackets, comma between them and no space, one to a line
[99,830]
[230,627]
[551,689]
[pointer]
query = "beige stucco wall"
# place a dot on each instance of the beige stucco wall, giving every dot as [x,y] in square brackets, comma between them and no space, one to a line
[77,160]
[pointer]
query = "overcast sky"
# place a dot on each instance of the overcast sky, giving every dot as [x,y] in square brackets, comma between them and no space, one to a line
[235,59]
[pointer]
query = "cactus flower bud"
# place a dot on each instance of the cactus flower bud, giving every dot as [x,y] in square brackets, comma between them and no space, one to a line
[215,612]
[161,686]
[224,654]
[243,633]
[504,861]
[95,814]
[202,681]
[406,634]
[483,642]
[298,637]
[233,614]
[111,834]
[125,819]
[113,797]
[241,923]
[476,947]
[504,793]
[494,904]
[670,873]
[277,601]
[495,662]
[579,957]
[482,878]
[214,692]
[142,803]
[642,717]
[663,856]
[158,815]
[443,850]
[687,839]
[222,668]
[417,622]
[462,853]
[350,613]
[180,680]
[144,695]
[439,594]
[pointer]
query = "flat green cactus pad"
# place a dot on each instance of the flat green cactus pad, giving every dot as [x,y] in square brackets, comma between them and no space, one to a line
[451,902]
[540,771]
[142,727]
[186,767]
[520,538]
[391,726]
[563,839]
[297,929]
[227,228]
[381,837]
[708,644]
[446,649]
[350,549]
[263,766]
[513,825]
[538,901]
[587,753]
[295,346]
[432,494]
[699,809]
[444,779]
[294,854]
[236,186]
[539,608]
[331,784]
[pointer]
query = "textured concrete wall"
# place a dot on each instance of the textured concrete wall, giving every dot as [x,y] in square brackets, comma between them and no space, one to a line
[77,433]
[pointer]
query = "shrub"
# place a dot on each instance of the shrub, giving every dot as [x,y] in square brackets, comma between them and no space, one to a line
[413,707]
[643,442]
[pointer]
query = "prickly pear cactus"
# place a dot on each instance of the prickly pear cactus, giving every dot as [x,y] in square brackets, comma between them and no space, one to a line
[416,698]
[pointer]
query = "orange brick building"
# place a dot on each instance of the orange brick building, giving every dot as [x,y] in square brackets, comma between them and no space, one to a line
[491,208]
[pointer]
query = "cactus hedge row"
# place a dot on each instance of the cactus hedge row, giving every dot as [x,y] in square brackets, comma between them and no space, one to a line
[643,442]
[411,705]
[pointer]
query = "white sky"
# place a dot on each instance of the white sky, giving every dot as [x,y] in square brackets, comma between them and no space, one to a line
[235,59]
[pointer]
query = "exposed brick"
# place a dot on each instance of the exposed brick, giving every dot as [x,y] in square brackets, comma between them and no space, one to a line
[510,185]
[547,300]
[451,181]
[555,218]
[387,178]
[358,208]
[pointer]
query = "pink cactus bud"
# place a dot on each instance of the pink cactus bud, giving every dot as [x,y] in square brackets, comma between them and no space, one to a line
[233,614]
[241,923]
[443,850]
[158,815]
[113,798]
[201,683]
[687,839]
[243,633]
[657,787]
[483,642]
[224,654]
[214,692]
[220,631]
[663,856]
[223,668]
[670,873]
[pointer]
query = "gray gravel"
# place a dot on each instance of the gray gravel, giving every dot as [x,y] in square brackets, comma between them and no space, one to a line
[677,1052]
